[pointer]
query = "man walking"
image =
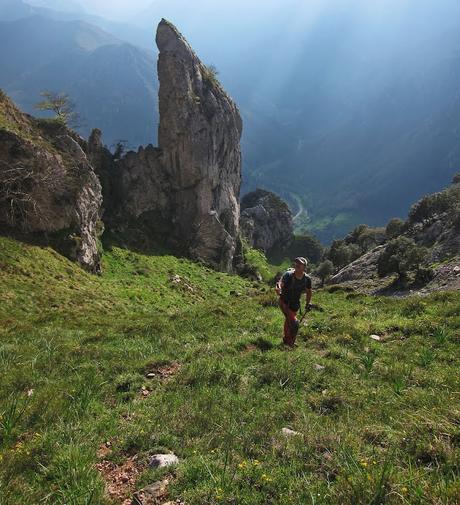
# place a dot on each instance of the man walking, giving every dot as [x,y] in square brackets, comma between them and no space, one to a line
[290,288]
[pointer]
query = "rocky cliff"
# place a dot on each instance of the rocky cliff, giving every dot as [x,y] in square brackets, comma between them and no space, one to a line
[48,188]
[266,221]
[186,191]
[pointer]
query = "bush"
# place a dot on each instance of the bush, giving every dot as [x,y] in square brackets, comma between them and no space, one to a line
[400,256]
[394,228]
[355,251]
[324,270]
[210,74]
[431,205]
[339,254]
[424,276]
[366,236]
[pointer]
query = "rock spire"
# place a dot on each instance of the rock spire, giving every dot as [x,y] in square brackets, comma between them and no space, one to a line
[199,136]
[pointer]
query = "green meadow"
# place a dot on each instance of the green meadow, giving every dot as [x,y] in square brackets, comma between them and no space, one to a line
[160,354]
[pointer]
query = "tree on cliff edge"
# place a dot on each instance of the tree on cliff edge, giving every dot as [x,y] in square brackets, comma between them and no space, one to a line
[62,105]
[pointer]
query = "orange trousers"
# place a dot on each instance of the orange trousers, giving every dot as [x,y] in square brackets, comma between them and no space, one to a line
[291,324]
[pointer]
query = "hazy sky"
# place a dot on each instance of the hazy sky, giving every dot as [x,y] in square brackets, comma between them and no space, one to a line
[115,8]
[134,10]
[125,10]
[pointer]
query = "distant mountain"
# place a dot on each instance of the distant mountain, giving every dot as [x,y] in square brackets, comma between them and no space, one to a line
[11,10]
[112,83]
[59,5]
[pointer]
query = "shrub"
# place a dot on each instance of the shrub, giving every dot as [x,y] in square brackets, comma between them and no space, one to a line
[210,74]
[394,228]
[431,205]
[365,237]
[339,254]
[424,276]
[400,256]
[19,202]
[324,270]
[370,238]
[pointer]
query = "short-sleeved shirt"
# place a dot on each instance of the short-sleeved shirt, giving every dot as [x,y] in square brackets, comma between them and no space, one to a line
[293,289]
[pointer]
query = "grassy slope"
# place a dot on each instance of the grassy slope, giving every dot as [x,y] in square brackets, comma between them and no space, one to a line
[380,423]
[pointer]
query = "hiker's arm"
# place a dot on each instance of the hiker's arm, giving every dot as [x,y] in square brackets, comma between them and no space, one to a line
[308,294]
[279,286]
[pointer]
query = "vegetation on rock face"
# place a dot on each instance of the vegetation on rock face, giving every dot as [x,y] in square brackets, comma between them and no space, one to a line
[435,204]
[433,222]
[401,255]
[160,354]
[361,240]
[211,74]
[394,228]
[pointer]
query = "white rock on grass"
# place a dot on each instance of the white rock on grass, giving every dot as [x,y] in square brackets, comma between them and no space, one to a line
[376,338]
[163,460]
[290,433]
[319,368]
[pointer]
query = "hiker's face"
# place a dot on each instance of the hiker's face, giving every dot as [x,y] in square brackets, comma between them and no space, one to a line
[299,267]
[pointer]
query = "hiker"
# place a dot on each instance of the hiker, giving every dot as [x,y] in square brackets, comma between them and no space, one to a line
[290,288]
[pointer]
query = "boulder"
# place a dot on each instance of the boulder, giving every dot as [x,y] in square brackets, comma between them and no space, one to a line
[163,460]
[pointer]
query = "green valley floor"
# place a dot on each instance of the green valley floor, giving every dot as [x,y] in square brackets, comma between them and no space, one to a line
[162,355]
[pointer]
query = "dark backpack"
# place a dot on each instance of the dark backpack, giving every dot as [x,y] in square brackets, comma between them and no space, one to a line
[288,289]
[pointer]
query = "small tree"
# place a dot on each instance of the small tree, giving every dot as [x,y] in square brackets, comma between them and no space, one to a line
[400,256]
[62,106]
[355,251]
[324,271]
[339,254]
[394,228]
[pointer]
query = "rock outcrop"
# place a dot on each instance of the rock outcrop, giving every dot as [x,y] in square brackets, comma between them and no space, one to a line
[434,224]
[266,221]
[48,188]
[186,191]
